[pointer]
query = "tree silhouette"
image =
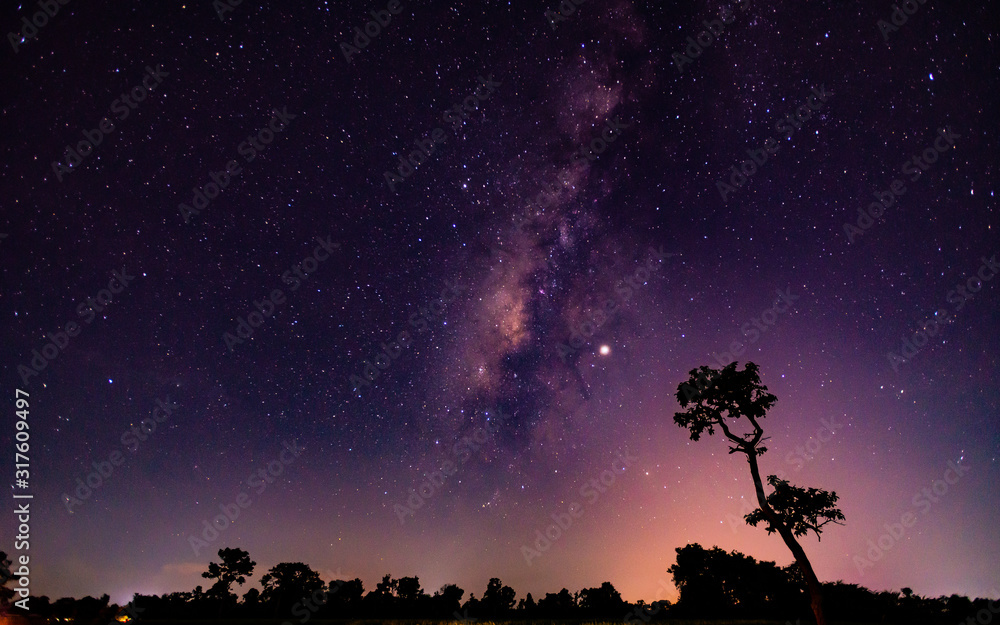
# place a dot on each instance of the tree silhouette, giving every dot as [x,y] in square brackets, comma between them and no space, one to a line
[251,598]
[471,605]
[382,600]
[557,605]
[699,575]
[6,594]
[713,583]
[346,601]
[498,599]
[236,566]
[410,597]
[386,589]
[408,589]
[713,397]
[603,602]
[527,605]
[798,509]
[287,583]
[448,600]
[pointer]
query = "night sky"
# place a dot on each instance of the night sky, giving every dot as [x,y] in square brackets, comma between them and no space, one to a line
[472,253]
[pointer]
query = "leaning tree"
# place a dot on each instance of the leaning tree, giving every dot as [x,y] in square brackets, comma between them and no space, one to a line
[721,398]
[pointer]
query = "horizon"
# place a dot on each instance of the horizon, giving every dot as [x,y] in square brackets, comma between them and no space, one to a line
[329,576]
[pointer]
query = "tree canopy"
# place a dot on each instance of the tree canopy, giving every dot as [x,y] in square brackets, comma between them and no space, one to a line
[235,567]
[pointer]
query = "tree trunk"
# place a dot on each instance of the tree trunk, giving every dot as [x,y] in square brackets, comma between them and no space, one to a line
[812,583]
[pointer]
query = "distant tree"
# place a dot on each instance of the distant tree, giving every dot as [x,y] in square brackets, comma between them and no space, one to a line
[721,398]
[603,602]
[447,601]
[387,587]
[411,600]
[6,577]
[958,607]
[471,606]
[408,589]
[251,598]
[381,602]
[857,603]
[527,605]
[235,567]
[288,583]
[662,608]
[699,575]
[714,583]
[89,608]
[557,605]
[346,601]
[498,599]
[41,606]
[64,608]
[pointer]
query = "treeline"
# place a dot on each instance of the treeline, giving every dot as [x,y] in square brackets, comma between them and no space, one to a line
[715,584]
[712,583]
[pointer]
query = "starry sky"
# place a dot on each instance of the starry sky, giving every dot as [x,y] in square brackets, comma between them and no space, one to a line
[308,274]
